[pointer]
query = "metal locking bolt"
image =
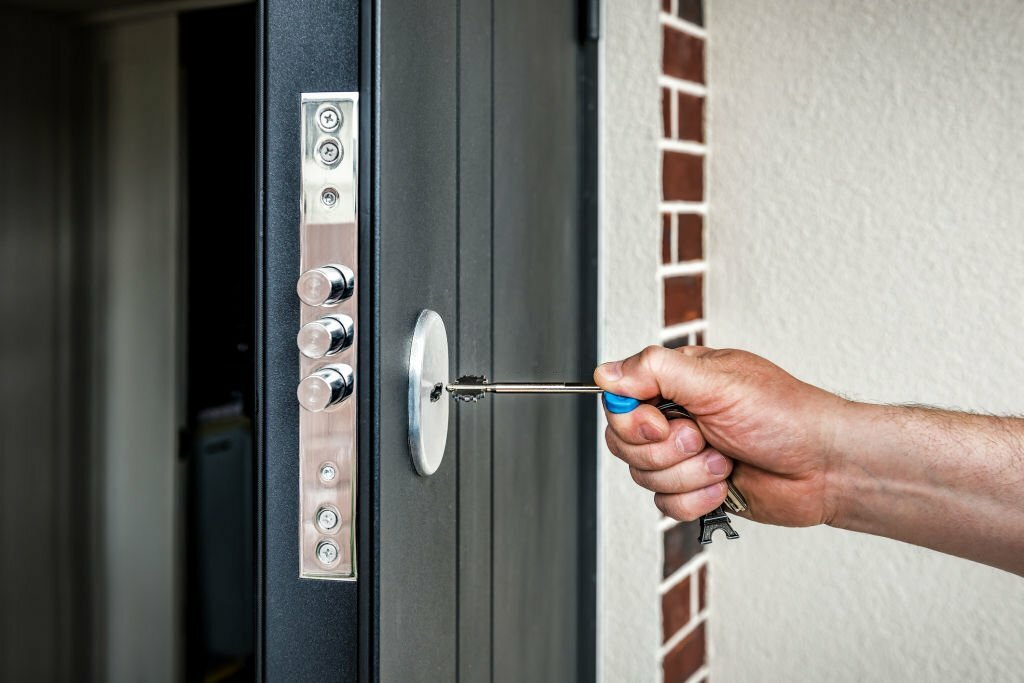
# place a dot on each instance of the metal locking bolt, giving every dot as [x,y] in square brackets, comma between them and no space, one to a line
[327,336]
[326,388]
[326,286]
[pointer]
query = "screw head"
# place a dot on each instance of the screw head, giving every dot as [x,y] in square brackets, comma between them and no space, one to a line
[328,118]
[327,552]
[329,197]
[329,151]
[328,472]
[326,519]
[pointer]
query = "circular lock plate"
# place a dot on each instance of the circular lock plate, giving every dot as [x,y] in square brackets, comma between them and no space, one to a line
[428,395]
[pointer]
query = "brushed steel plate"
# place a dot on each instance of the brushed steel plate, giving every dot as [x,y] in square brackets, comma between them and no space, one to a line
[329,234]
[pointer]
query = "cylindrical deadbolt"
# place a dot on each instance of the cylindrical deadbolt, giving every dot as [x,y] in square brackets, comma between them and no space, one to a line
[325,388]
[326,286]
[326,336]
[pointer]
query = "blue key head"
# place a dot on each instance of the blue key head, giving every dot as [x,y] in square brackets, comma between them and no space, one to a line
[619,404]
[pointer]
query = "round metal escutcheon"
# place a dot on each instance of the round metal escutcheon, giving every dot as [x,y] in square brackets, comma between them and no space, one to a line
[428,397]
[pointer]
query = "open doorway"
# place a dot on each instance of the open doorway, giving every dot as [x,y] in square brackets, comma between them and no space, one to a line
[127,220]
[217,49]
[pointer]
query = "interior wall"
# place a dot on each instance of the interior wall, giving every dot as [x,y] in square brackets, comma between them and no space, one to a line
[137,395]
[40,532]
[629,541]
[865,189]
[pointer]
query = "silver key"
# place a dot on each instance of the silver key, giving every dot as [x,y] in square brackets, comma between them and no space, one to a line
[474,387]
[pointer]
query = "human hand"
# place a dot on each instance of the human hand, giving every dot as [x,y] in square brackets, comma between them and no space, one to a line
[771,431]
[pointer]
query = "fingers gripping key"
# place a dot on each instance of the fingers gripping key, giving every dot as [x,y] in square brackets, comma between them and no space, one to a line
[714,520]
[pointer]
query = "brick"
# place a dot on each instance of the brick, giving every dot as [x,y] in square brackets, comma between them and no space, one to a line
[666,5]
[702,588]
[690,232]
[682,176]
[699,340]
[666,238]
[681,542]
[682,55]
[675,608]
[685,658]
[691,11]
[684,299]
[666,113]
[690,117]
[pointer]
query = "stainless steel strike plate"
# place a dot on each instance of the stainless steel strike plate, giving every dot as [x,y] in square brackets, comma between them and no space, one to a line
[428,397]
[327,341]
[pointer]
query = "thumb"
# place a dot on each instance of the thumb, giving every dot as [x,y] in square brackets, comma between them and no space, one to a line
[657,371]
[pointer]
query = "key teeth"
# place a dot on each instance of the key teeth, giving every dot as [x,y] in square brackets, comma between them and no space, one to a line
[712,522]
[465,395]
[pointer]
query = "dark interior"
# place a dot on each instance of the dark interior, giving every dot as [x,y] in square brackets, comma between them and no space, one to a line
[218,58]
[70,125]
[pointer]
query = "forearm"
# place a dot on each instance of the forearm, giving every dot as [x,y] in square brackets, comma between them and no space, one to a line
[949,481]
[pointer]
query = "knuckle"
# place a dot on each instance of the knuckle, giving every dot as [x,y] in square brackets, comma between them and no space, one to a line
[643,458]
[675,506]
[651,350]
[661,504]
[638,477]
[651,356]
[651,457]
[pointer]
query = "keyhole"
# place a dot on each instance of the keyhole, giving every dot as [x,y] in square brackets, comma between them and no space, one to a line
[435,393]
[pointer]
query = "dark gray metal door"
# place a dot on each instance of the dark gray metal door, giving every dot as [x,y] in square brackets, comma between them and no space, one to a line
[475,176]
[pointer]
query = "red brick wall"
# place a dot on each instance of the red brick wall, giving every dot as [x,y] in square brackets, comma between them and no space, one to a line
[683,272]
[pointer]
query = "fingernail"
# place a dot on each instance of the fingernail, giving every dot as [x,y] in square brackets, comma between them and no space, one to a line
[717,464]
[714,491]
[689,441]
[611,371]
[648,433]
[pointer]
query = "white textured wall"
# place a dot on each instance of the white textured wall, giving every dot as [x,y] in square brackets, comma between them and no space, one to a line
[867,233]
[629,559]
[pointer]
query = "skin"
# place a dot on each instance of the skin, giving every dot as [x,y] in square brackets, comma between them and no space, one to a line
[950,481]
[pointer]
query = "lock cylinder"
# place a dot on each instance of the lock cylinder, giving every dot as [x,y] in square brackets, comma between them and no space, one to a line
[327,387]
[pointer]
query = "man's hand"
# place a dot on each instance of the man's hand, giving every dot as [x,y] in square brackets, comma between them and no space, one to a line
[945,480]
[773,432]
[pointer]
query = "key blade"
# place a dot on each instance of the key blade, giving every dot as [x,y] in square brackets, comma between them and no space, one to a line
[473,387]
[542,388]
[468,388]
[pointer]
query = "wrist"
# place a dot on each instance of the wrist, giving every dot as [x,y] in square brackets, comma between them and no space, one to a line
[850,484]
